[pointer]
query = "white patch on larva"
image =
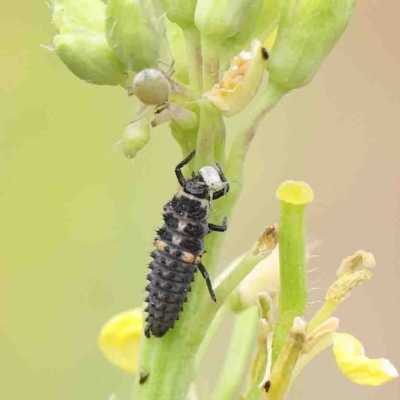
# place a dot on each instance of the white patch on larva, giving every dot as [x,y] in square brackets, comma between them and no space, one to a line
[181,225]
[176,239]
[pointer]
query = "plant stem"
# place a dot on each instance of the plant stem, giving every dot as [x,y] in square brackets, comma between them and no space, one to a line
[240,348]
[219,143]
[255,391]
[292,259]
[210,118]
[322,315]
[193,49]
[231,280]
[211,55]
[216,324]
[282,371]
[234,171]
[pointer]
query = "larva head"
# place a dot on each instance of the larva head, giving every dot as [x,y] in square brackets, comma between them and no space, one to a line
[212,178]
[151,86]
[208,180]
[196,187]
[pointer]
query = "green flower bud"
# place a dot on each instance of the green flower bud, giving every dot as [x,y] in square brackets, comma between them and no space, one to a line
[71,15]
[307,33]
[222,19]
[134,31]
[176,41]
[265,17]
[137,135]
[89,57]
[180,11]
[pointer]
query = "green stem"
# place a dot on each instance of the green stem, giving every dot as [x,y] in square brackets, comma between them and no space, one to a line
[211,55]
[233,277]
[322,315]
[292,259]
[282,371]
[210,120]
[193,49]
[216,324]
[219,142]
[186,139]
[234,171]
[211,123]
[240,348]
[255,391]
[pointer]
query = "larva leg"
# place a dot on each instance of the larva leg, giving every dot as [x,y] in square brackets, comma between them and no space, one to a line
[204,272]
[219,228]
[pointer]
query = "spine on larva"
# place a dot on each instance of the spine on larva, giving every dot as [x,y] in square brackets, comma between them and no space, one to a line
[179,247]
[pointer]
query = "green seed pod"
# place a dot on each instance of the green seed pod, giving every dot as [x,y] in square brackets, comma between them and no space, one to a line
[71,15]
[89,57]
[180,11]
[134,32]
[136,136]
[222,19]
[307,33]
[151,86]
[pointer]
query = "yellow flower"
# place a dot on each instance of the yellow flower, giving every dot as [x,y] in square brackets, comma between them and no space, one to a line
[119,339]
[350,357]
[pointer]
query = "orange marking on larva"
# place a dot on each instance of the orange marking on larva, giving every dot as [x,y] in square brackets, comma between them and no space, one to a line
[160,245]
[197,260]
[188,257]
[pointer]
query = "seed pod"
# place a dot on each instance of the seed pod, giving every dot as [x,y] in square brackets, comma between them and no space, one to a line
[180,11]
[89,57]
[241,82]
[222,19]
[151,86]
[137,135]
[134,31]
[306,36]
[72,15]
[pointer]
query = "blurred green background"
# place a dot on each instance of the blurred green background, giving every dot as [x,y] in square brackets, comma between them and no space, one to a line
[77,219]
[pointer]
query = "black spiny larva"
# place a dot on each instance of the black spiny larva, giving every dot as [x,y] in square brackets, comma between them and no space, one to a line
[180,245]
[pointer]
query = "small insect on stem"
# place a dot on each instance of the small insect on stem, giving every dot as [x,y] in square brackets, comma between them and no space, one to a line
[143,376]
[180,245]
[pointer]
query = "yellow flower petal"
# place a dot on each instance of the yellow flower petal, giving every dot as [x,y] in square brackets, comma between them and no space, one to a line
[350,358]
[119,339]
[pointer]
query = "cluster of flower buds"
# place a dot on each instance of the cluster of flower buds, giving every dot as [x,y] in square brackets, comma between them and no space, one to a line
[128,43]
[101,42]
